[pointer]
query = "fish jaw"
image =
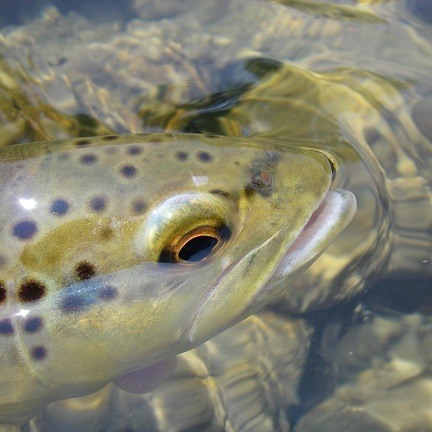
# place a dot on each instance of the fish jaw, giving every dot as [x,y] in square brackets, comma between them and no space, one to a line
[330,218]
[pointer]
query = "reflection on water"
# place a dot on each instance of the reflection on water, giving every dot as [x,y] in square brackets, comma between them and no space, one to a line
[353,78]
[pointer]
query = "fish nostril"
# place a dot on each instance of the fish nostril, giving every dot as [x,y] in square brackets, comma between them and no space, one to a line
[262,180]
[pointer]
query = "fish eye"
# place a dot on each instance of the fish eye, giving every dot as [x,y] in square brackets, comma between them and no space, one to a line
[196,245]
[187,228]
[197,248]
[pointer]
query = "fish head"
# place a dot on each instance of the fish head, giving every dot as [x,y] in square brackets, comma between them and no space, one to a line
[121,252]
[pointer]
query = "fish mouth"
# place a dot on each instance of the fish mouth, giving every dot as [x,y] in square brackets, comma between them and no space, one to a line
[330,218]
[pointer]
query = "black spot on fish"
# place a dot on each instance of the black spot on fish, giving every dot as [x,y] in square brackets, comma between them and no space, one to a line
[25,230]
[106,233]
[204,157]
[156,139]
[6,327]
[39,352]
[31,290]
[2,293]
[182,156]
[128,171]
[220,192]
[84,270]
[59,207]
[107,292]
[110,137]
[249,190]
[88,159]
[33,325]
[98,203]
[134,150]
[82,143]
[139,206]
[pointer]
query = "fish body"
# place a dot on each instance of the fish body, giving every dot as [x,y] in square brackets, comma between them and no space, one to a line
[119,252]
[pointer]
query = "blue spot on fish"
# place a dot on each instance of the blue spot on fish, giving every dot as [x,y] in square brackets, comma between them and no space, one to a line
[80,296]
[73,303]
[107,292]
[6,327]
[39,352]
[59,207]
[25,230]
[98,203]
[32,325]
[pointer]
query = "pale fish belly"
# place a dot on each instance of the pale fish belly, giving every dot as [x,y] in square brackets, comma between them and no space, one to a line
[241,380]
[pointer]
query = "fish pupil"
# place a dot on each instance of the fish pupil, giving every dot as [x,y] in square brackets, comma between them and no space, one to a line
[197,248]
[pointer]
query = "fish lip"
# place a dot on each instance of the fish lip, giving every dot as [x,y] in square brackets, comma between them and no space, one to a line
[319,231]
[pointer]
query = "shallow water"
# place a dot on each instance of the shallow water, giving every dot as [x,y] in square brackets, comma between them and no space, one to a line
[353,77]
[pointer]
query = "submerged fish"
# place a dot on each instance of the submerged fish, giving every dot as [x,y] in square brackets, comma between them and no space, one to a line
[119,252]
